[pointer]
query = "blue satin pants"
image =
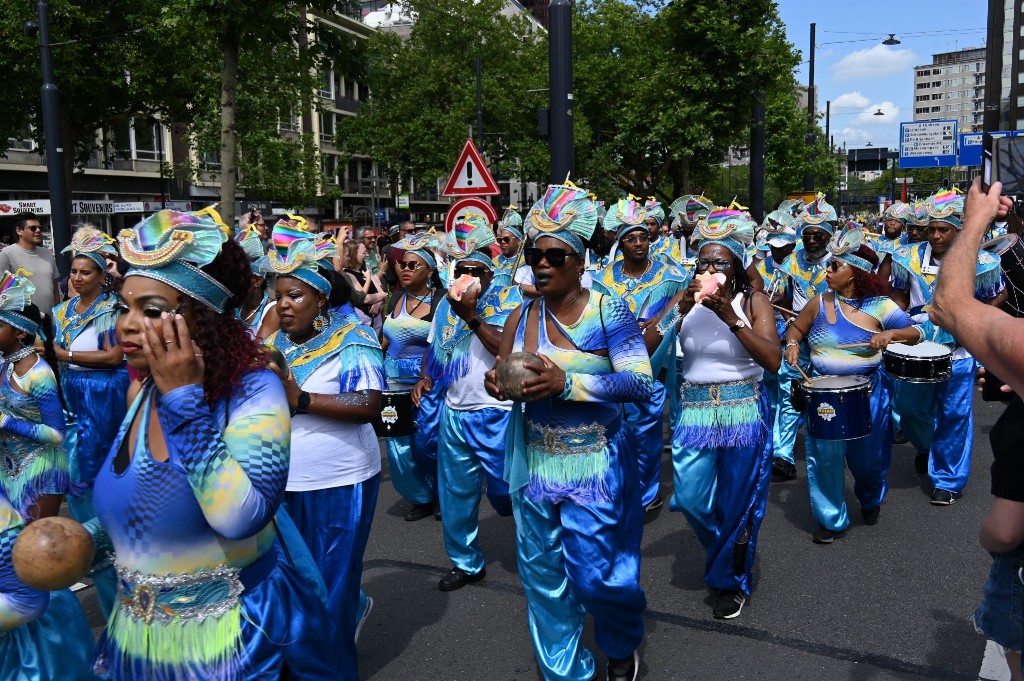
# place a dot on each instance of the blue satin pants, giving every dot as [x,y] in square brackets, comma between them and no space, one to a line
[867,458]
[939,418]
[646,436]
[414,476]
[723,492]
[787,421]
[675,399]
[57,645]
[471,449]
[577,559]
[335,523]
[428,424]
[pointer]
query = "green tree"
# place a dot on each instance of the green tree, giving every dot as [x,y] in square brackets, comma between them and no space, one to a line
[424,92]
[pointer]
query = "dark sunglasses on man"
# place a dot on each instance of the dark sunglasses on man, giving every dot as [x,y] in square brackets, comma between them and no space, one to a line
[555,256]
[471,271]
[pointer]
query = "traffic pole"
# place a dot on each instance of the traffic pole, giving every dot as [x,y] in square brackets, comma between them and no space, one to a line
[560,76]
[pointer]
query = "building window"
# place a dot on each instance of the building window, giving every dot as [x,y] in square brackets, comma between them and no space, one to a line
[936,83]
[921,98]
[922,73]
[923,86]
[936,109]
[938,95]
[137,138]
[330,168]
[327,84]
[326,126]
[23,141]
[922,110]
[289,122]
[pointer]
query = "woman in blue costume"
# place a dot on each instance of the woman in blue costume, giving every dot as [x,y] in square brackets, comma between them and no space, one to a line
[854,311]
[257,311]
[34,468]
[406,327]
[44,636]
[574,480]
[721,448]
[187,496]
[93,376]
[336,375]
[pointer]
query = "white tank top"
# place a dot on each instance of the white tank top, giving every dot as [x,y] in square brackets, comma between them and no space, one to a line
[711,352]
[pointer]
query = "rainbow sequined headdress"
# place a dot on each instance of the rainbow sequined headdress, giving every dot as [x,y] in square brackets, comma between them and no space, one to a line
[170,247]
[567,213]
[91,243]
[469,234]
[293,252]
[844,244]
[819,213]
[899,211]
[15,295]
[689,210]
[512,222]
[654,210]
[945,206]
[425,245]
[732,227]
[627,215]
[250,241]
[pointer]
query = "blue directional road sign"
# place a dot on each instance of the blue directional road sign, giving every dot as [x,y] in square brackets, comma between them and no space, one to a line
[381,215]
[928,144]
[971,142]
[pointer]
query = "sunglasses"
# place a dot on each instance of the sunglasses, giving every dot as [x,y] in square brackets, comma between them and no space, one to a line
[836,265]
[555,256]
[504,239]
[410,266]
[33,228]
[636,239]
[471,271]
[720,265]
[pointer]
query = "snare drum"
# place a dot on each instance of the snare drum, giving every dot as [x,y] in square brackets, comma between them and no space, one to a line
[395,418]
[926,362]
[1010,249]
[838,407]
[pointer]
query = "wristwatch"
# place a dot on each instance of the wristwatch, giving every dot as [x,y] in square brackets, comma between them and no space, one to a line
[474,325]
[303,402]
[740,324]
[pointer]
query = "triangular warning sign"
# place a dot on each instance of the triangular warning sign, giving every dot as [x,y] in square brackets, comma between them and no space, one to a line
[470,176]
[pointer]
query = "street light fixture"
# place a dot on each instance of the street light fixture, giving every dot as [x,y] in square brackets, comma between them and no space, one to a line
[878,113]
[891,40]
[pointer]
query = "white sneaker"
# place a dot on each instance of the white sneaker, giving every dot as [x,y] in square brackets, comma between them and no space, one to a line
[364,616]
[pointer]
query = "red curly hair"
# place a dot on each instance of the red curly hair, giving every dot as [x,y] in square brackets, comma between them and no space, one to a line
[867,284]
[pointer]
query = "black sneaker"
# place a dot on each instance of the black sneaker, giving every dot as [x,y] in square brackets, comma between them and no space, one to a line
[456,579]
[941,497]
[420,511]
[871,515]
[899,438]
[728,605]
[783,470]
[654,505]
[824,536]
[921,463]
[625,669]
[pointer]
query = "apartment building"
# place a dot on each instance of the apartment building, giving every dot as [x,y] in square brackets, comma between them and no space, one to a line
[952,87]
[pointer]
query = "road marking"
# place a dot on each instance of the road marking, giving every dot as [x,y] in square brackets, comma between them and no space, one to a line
[993,665]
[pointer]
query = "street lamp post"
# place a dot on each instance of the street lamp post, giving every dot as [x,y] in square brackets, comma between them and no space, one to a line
[811,124]
[560,76]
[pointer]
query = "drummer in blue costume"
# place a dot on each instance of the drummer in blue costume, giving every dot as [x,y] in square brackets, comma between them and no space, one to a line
[44,636]
[938,418]
[805,268]
[686,213]
[572,474]
[187,495]
[336,375]
[463,341]
[508,263]
[721,445]
[258,311]
[599,248]
[647,286]
[894,233]
[660,245]
[855,311]
[406,328]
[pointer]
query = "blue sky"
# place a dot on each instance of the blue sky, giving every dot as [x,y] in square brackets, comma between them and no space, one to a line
[859,74]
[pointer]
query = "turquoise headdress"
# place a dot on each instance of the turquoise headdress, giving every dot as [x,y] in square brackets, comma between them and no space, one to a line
[689,210]
[732,227]
[170,247]
[601,212]
[844,244]
[424,245]
[945,206]
[468,235]
[15,295]
[819,213]
[627,215]
[654,210]
[567,213]
[779,229]
[792,206]
[899,211]
[249,240]
[326,246]
[512,222]
[91,243]
[293,253]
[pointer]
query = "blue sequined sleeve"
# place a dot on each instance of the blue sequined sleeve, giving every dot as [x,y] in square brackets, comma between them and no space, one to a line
[19,604]
[632,380]
[39,384]
[238,475]
[362,368]
[659,299]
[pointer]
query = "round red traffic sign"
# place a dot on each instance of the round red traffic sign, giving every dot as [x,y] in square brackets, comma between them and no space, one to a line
[470,204]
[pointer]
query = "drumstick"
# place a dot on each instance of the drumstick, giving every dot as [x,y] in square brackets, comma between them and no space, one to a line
[784,310]
[844,346]
[807,379]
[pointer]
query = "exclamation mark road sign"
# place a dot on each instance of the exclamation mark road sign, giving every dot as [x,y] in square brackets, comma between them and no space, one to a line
[469,173]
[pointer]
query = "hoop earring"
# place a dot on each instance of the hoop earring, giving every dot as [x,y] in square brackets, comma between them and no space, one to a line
[320,322]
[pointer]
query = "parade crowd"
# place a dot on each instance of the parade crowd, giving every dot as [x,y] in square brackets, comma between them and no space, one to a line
[212,401]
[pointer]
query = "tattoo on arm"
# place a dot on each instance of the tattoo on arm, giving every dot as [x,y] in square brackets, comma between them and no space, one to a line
[360,398]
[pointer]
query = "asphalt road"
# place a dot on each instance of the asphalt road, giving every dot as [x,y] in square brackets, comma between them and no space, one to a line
[893,601]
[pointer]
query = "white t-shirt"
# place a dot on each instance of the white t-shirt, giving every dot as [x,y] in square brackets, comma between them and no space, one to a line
[327,452]
[524,275]
[711,352]
[468,393]
[86,341]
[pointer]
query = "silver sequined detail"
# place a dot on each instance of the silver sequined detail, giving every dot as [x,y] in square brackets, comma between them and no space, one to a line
[13,465]
[726,394]
[567,441]
[167,598]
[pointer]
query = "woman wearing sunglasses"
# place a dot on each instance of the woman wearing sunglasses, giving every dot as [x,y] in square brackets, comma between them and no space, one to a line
[721,448]
[573,477]
[406,328]
[854,310]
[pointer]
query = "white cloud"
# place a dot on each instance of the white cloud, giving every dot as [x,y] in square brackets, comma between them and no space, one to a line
[853,100]
[853,137]
[872,62]
[867,116]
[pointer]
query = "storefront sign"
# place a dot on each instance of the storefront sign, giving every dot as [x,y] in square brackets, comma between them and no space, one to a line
[92,207]
[15,206]
[129,207]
